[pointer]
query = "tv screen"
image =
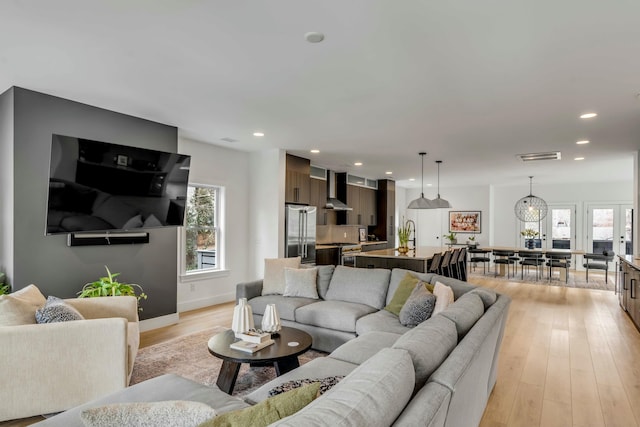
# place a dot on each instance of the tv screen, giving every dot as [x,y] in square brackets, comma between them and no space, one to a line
[100,186]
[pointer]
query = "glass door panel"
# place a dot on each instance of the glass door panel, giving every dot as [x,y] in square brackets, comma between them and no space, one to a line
[561,223]
[610,228]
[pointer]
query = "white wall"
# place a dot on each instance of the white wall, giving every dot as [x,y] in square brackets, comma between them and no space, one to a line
[499,223]
[214,165]
[267,209]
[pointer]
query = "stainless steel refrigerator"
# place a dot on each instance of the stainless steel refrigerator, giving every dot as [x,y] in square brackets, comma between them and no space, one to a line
[300,232]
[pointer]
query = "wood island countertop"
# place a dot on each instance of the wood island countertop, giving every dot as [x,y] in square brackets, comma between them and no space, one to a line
[422,252]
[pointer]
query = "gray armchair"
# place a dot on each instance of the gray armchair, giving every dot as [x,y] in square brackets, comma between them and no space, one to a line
[598,262]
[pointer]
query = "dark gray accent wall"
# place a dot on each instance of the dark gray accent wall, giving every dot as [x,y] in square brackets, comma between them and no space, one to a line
[6,183]
[47,261]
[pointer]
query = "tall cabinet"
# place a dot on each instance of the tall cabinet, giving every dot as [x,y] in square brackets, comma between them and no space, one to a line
[297,180]
[628,286]
[385,208]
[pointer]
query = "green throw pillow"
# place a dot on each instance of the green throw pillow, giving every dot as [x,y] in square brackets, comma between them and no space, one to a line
[405,287]
[268,411]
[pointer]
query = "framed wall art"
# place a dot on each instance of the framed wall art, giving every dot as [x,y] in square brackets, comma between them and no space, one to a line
[465,221]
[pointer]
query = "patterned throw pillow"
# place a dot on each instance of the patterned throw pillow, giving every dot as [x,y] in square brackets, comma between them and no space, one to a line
[56,310]
[419,306]
[325,384]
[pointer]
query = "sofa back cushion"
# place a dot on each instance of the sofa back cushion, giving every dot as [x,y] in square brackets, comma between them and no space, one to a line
[458,287]
[325,272]
[464,312]
[373,394]
[359,285]
[429,344]
[398,274]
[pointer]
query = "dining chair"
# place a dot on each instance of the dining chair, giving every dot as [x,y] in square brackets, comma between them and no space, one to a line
[598,262]
[503,257]
[477,255]
[558,260]
[531,258]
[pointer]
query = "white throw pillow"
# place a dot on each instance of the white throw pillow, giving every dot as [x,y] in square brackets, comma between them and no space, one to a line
[19,308]
[301,282]
[444,297]
[174,413]
[273,282]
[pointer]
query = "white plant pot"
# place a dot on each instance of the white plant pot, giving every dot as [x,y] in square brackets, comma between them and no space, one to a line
[242,317]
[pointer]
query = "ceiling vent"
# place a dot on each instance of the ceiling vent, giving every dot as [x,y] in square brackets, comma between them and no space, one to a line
[550,155]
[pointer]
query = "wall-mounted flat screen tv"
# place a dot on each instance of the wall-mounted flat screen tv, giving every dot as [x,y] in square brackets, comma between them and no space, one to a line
[100,186]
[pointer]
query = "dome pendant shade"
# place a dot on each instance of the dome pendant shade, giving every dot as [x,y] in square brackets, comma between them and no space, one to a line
[531,208]
[421,202]
[439,202]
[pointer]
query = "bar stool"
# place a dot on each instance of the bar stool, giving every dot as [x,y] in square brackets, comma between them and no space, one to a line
[479,255]
[462,264]
[531,258]
[452,269]
[434,266]
[503,257]
[444,264]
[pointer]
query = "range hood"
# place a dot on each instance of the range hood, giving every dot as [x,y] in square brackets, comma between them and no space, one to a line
[333,202]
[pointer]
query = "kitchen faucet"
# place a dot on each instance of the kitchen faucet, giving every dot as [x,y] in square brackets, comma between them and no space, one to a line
[409,221]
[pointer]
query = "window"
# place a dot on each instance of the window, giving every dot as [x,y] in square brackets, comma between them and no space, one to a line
[202,229]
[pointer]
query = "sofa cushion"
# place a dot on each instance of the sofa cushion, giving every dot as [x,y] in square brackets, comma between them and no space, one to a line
[429,344]
[418,307]
[372,395]
[268,411]
[56,310]
[465,312]
[317,368]
[487,296]
[402,293]
[338,315]
[286,306]
[19,308]
[360,285]
[325,384]
[381,321]
[325,272]
[458,287]
[397,274]
[175,413]
[360,349]
[273,282]
[444,297]
[300,282]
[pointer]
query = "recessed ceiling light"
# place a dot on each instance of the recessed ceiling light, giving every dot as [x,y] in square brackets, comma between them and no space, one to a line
[412,179]
[314,151]
[388,173]
[429,185]
[588,115]
[258,134]
[357,164]
[584,141]
[314,37]
[579,158]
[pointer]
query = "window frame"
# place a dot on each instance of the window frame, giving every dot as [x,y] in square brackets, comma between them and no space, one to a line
[219,229]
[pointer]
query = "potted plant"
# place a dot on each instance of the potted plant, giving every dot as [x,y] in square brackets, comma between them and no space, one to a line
[529,234]
[404,231]
[5,288]
[471,242]
[451,237]
[108,286]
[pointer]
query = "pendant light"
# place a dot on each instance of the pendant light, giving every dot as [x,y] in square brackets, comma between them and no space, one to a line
[421,202]
[531,208]
[440,202]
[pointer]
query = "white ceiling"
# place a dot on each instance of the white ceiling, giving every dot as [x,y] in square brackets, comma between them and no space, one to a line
[472,83]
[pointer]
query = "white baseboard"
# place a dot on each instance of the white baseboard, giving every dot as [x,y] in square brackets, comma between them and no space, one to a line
[205,302]
[159,322]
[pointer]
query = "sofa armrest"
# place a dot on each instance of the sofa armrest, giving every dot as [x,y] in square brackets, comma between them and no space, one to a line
[105,307]
[249,290]
[55,366]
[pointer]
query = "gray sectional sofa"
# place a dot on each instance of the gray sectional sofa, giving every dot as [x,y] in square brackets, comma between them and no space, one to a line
[439,373]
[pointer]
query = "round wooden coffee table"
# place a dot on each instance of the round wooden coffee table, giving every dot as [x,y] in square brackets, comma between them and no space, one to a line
[283,354]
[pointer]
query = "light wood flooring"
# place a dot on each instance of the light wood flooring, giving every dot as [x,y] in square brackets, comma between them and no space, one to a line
[570,357]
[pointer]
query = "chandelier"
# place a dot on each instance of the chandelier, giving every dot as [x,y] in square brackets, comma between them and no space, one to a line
[531,208]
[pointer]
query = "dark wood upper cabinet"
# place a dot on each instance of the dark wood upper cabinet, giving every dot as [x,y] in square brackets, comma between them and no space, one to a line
[318,198]
[361,200]
[297,180]
[386,206]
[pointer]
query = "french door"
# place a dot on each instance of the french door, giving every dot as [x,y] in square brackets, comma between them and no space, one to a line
[610,228]
[557,230]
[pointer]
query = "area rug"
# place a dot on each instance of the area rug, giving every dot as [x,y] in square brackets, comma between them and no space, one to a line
[577,279]
[189,357]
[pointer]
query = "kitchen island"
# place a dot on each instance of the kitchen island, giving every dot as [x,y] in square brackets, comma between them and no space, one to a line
[416,260]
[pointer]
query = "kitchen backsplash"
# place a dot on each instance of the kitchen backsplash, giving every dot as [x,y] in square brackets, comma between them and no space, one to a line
[337,234]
